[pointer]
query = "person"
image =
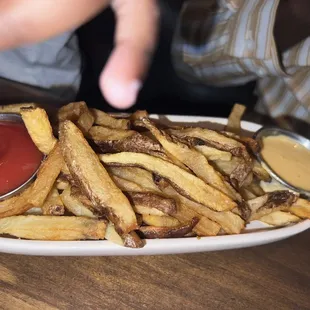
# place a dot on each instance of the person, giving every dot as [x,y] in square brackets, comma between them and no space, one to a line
[232,42]
[38,45]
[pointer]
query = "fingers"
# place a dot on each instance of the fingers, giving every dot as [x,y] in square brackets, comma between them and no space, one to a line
[135,40]
[24,21]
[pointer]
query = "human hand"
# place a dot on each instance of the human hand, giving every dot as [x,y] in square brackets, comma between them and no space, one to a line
[25,22]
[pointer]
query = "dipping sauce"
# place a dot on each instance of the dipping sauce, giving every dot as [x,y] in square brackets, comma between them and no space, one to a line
[289,159]
[19,157]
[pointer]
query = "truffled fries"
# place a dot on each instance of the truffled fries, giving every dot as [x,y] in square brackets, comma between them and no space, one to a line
[126,180]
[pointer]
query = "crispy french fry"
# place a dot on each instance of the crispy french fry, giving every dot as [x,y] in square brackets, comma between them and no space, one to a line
[53,227]
[204,227]
[230,222]
[153,232]
[132,240]
[234,119]
[150,200]
[212,153]
[105,134]
[74,205]
[203,136]
[255,188]
[301,208]
[139,176]
[260,172]
[94,180]
[186,183]
[279,218]
[62,183]
[16,108]
[160,221]
[39,128]
[112,235]
[127,186]
[35,195]
[53,204]
[85,121]
[106,120]
[271,202]
[190,157]
[72,111]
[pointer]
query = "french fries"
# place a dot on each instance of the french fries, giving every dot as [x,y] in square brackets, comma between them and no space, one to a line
[53,227]
[144,182]
[39,128]
[234,119]
[189,157]
[53,205]
[73,205]
[105,120]
[184,182]
[16,108]
[93,179]
[279,218]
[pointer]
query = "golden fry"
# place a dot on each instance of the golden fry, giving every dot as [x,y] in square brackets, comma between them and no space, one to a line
[234,119]
[39,128]
[301,208]
[74,205]
[94,180]
[212,153]
[16,108]
[53,204]
[85,121]
[189,157]
[103,119]
[186,183]
[160,221]
[53,227]
[279,218]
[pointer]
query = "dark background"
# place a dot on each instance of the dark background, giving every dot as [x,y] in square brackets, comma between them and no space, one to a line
[163,91]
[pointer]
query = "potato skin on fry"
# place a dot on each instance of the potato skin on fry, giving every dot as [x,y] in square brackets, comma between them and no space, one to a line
[153,232]
[94,180]
[150,200]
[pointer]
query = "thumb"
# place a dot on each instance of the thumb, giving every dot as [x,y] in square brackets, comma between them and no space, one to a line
[135,40]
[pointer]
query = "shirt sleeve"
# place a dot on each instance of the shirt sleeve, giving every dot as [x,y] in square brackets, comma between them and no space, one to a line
[229,42]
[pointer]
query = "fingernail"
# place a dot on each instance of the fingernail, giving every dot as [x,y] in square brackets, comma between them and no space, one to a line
[121,95]
[132,91]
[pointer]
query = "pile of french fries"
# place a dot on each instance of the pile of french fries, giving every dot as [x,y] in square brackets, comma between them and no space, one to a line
[131,179]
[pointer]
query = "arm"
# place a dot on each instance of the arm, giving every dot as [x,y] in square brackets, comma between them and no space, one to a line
[26,22]
[213,46]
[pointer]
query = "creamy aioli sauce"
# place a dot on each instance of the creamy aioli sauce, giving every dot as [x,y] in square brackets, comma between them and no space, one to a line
[289,160]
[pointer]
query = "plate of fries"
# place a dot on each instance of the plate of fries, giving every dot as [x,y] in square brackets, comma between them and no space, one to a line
[144,184]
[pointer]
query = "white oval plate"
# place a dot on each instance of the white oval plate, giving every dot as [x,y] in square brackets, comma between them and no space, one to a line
[256,233]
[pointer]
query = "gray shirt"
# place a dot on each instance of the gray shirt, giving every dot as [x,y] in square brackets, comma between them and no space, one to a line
[54,64]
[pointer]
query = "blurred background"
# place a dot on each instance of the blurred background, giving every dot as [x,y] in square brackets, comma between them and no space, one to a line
[163,92]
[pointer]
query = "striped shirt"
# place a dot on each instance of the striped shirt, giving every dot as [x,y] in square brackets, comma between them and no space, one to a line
[231,42]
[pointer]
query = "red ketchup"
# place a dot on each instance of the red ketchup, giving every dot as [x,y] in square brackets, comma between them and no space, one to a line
[19,157]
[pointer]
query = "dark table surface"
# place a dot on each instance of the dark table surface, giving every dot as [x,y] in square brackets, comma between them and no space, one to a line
[274,276]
